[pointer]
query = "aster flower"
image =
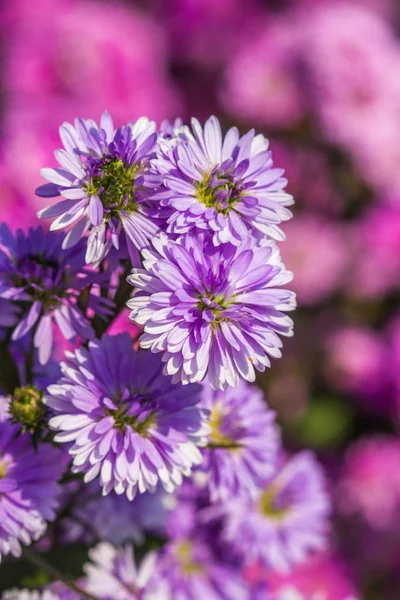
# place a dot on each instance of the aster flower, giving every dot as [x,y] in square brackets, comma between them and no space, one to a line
[243,444]
[286,521]
[57,591]
[189,570]
[226,186]
[45,281]
[127,422]
[113,573]
[104,180]
[116,519]
[28,486]
[212,311]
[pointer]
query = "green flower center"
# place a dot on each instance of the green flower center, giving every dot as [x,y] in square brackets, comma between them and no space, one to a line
[122,418]
[217,437]
[115,184]
[268,505]
[218,191]
[184,554]
[27,408]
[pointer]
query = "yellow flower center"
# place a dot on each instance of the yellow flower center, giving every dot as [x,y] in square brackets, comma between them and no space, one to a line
[184,554]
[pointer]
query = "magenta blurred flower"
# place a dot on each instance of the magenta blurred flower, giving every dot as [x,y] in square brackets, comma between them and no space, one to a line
[262,81]
[359,363]
[50,75]
[369,486]
[375,251]
[315,251]
[322,577]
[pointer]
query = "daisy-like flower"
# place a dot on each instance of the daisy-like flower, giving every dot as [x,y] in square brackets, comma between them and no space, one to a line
[188,570]
[212,310]
[113,573]
[28,485]
[56,591]
[104,180]
[127,422]
[227,186]
[44,281]
[243,443]
[286,521]
[116,519]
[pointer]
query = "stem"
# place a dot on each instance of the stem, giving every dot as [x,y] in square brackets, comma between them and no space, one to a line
[121,297]
[9,376]
[53,573]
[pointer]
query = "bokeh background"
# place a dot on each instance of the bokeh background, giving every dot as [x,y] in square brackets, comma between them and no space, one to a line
[321,79]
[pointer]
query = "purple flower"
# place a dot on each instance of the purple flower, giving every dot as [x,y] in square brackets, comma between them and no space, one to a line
[116,519]
[113,574]
[212,310]
[286,521]
[104,180]
[188,569]
[127,422]
[57,591]
[44,280]
[225,186]
[243,444]
[28,486]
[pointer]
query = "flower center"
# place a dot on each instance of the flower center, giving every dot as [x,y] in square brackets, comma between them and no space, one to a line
[219,191]
[3,470]
[272,503]
[114,182]
[27,408]
[43,279]
[184,554]
[137,411]
[217,436]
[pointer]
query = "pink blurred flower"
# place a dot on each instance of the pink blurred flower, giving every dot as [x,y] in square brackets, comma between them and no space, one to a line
[207,31]
[315,251]
[376,252]
[310,179]
[261,80]
[358,363]
[95,56]
[353,58]
[322,577]
[370,482]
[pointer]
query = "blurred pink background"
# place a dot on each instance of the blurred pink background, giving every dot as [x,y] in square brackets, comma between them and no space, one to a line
[321,79]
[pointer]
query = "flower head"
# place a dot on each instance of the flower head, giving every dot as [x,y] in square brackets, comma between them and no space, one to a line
[127,422]
[226,186]
[215,311]
[113,573]
[243,444]
[116,519]
[286,521]
[28,485]
[188,569]
[44,281]
[56,591]
[104,179]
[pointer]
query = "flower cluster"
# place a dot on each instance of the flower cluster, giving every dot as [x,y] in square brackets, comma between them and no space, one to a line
[160,441]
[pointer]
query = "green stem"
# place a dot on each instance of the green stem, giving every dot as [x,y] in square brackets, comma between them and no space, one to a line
[9,376]
[53,573]
[121,297]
